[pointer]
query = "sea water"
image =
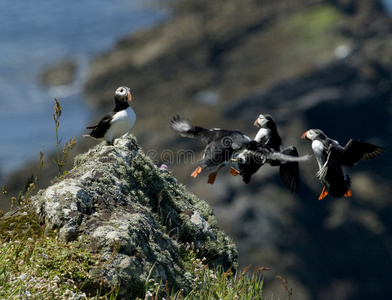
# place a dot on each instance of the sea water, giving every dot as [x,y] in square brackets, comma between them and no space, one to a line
[36,34]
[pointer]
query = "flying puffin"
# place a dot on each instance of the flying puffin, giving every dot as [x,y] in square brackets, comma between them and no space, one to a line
[331,157]
[267,148]
[221,145]
[117,122]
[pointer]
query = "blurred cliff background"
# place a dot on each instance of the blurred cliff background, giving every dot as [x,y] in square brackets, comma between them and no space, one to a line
[308,63]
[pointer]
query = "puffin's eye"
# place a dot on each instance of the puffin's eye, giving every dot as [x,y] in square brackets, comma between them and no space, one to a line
[122,90]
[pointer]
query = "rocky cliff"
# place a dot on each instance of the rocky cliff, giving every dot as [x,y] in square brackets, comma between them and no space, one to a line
[136,215]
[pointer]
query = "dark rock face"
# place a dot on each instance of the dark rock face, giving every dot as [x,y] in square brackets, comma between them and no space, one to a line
[137,216]
[336,239]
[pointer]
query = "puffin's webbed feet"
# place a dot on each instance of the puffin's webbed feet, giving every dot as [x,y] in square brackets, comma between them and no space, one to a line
[196,172]
[234,172]
[212,177]
[324,193]
[348,194]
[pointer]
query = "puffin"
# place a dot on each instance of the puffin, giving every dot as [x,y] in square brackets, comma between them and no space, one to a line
[222,145]
[117,122]
[331,157]
[267,148]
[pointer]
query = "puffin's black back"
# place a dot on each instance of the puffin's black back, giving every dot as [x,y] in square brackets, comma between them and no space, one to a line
[274,140]
[339,183]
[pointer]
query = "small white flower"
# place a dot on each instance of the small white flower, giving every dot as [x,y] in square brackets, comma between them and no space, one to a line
[22,277]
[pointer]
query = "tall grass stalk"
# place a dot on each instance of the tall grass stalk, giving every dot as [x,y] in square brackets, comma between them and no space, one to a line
[67,145]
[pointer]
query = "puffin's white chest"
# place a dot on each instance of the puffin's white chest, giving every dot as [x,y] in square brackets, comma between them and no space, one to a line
[121,123]
[318,150]
[262,134]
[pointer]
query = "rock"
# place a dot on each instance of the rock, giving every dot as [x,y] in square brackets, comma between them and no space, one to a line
[61,73]
[137,216]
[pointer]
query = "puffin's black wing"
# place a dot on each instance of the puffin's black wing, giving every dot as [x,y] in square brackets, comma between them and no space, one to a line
[356,150]
[289,172]
[98,130]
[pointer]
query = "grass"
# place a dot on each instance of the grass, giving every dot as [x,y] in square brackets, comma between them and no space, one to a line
[67,145]
[209,282]
[45,268]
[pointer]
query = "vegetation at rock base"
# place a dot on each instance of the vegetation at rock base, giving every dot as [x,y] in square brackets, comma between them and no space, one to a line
[38,266]
[210,283]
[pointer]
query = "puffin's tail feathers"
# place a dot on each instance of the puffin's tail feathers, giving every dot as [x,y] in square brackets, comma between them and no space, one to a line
[182,126]
[342,189]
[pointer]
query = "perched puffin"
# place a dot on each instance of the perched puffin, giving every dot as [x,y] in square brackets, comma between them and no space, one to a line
[117,122]
[267,148]
[331,157]
[221,145]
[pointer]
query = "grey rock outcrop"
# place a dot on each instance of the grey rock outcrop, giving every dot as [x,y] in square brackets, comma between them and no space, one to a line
[138,217]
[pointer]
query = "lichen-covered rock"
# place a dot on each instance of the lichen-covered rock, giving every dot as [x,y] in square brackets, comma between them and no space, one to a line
[136,215]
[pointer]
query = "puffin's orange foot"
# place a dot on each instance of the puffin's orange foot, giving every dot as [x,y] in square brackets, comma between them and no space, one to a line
[348,194]
[196,172]
[211,177]
[234,172]
[324,193]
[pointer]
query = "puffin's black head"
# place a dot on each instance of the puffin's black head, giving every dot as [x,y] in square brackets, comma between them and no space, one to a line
[311,134]
[265,121]
[123,94]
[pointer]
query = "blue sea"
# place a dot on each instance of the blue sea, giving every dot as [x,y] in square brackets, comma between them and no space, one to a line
[36,34]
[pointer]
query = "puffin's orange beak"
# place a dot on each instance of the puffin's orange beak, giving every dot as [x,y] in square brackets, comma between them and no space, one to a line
[129,96]
[257,123]
[304,135]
